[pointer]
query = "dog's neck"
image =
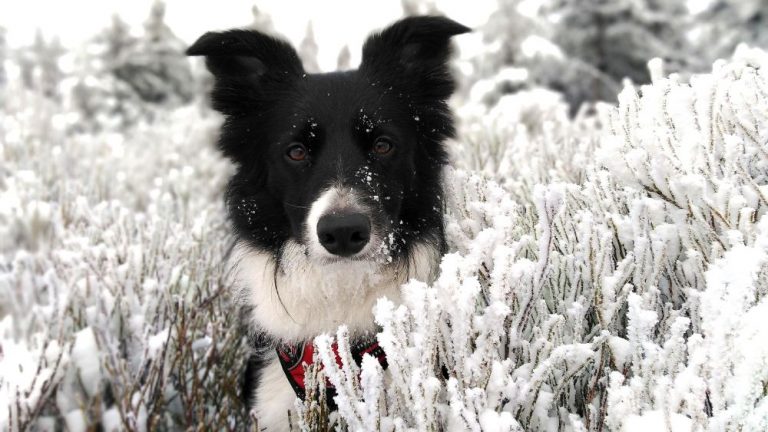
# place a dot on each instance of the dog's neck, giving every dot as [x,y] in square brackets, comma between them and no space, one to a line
[292,299]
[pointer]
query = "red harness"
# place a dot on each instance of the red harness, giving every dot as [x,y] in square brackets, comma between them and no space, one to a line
[293,357]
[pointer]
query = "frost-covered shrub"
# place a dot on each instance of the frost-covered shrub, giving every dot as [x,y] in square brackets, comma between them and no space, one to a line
[113,296]
[607,271]
[632,299]
[527,138]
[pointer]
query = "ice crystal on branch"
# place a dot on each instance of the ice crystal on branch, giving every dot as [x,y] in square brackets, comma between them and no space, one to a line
[632,298]
[607,265]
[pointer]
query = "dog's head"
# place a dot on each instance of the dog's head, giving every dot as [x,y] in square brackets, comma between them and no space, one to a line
[346,164]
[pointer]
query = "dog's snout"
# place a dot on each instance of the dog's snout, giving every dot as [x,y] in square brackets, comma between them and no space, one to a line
[344,234]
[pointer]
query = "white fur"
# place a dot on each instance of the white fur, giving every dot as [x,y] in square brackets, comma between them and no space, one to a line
[316,298]
[318,209]
[274,399]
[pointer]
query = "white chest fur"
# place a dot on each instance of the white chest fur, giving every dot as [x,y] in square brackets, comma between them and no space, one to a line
[302,300]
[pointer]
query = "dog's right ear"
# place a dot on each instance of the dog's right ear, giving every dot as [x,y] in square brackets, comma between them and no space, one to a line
[243,62]
[413,52]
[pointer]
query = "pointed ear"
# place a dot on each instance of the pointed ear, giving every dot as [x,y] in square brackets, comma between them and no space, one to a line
[413,51]
[243,62]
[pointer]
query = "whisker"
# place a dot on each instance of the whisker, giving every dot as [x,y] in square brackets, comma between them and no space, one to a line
[295,205]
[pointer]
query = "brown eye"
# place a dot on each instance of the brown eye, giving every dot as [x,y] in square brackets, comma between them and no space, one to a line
[297,152]
[382,146]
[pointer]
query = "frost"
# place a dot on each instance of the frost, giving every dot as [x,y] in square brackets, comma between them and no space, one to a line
[607,268]
[111,287]
[534,46]
[623,291]
[156,343]
[85,357]
[655,420]
[75,421]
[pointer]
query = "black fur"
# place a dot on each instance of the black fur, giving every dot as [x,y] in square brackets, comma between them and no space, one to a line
[269,102]
[261,346]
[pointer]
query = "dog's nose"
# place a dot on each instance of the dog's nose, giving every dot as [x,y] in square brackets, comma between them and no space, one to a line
[344,234]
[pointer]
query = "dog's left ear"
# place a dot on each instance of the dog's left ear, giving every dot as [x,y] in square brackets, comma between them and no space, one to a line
[413,52]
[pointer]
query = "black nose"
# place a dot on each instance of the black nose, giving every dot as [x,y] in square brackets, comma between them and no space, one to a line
[344,234]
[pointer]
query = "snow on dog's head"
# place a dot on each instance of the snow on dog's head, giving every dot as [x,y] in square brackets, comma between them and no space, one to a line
[347,165]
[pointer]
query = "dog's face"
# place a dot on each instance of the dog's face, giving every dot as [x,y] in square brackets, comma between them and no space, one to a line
[342,157]
[345,164]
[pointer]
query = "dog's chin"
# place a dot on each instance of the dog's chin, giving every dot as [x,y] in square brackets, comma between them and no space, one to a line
[354,260]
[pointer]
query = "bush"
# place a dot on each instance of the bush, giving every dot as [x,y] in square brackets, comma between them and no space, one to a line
[606,271]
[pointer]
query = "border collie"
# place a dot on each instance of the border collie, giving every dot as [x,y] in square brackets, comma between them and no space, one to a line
[337,197]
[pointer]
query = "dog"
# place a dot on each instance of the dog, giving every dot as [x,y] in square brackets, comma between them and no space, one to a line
[337,198]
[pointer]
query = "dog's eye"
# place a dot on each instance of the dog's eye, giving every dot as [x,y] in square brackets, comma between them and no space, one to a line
[296,152]
[382,146]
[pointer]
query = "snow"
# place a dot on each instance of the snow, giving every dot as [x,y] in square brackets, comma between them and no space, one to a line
[85,358]
[156,343]
[111,420]
[75,421]
[534,46]
[655,420]
[607,266]
[620,277]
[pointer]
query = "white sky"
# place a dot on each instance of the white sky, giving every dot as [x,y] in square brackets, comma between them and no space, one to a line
[336,22]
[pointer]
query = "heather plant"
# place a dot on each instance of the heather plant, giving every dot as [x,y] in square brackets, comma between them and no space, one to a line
[630,299]
[607,266]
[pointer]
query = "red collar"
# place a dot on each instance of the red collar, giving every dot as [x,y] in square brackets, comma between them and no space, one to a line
[293,357]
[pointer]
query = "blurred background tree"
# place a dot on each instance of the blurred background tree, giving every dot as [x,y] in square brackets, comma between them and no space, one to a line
[615,39]
[121,79]
[156,67]
[39,65]
[308,50]
[584,49]
[726,23]
[344,60]
[3,56]
[581,50]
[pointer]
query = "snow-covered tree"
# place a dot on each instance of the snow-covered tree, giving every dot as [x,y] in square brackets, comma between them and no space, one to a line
[262,21]
[726,23]
[39,65]
[118,42]
[3,57]
[156,68]
[504,34]
[511,54]
[343,61]
[582,49]
[308,50]
[122,78]
[99,96]
[419,7]
[26,63]
[616,39]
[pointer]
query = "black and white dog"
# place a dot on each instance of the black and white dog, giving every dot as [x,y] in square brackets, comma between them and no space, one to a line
[337,199]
